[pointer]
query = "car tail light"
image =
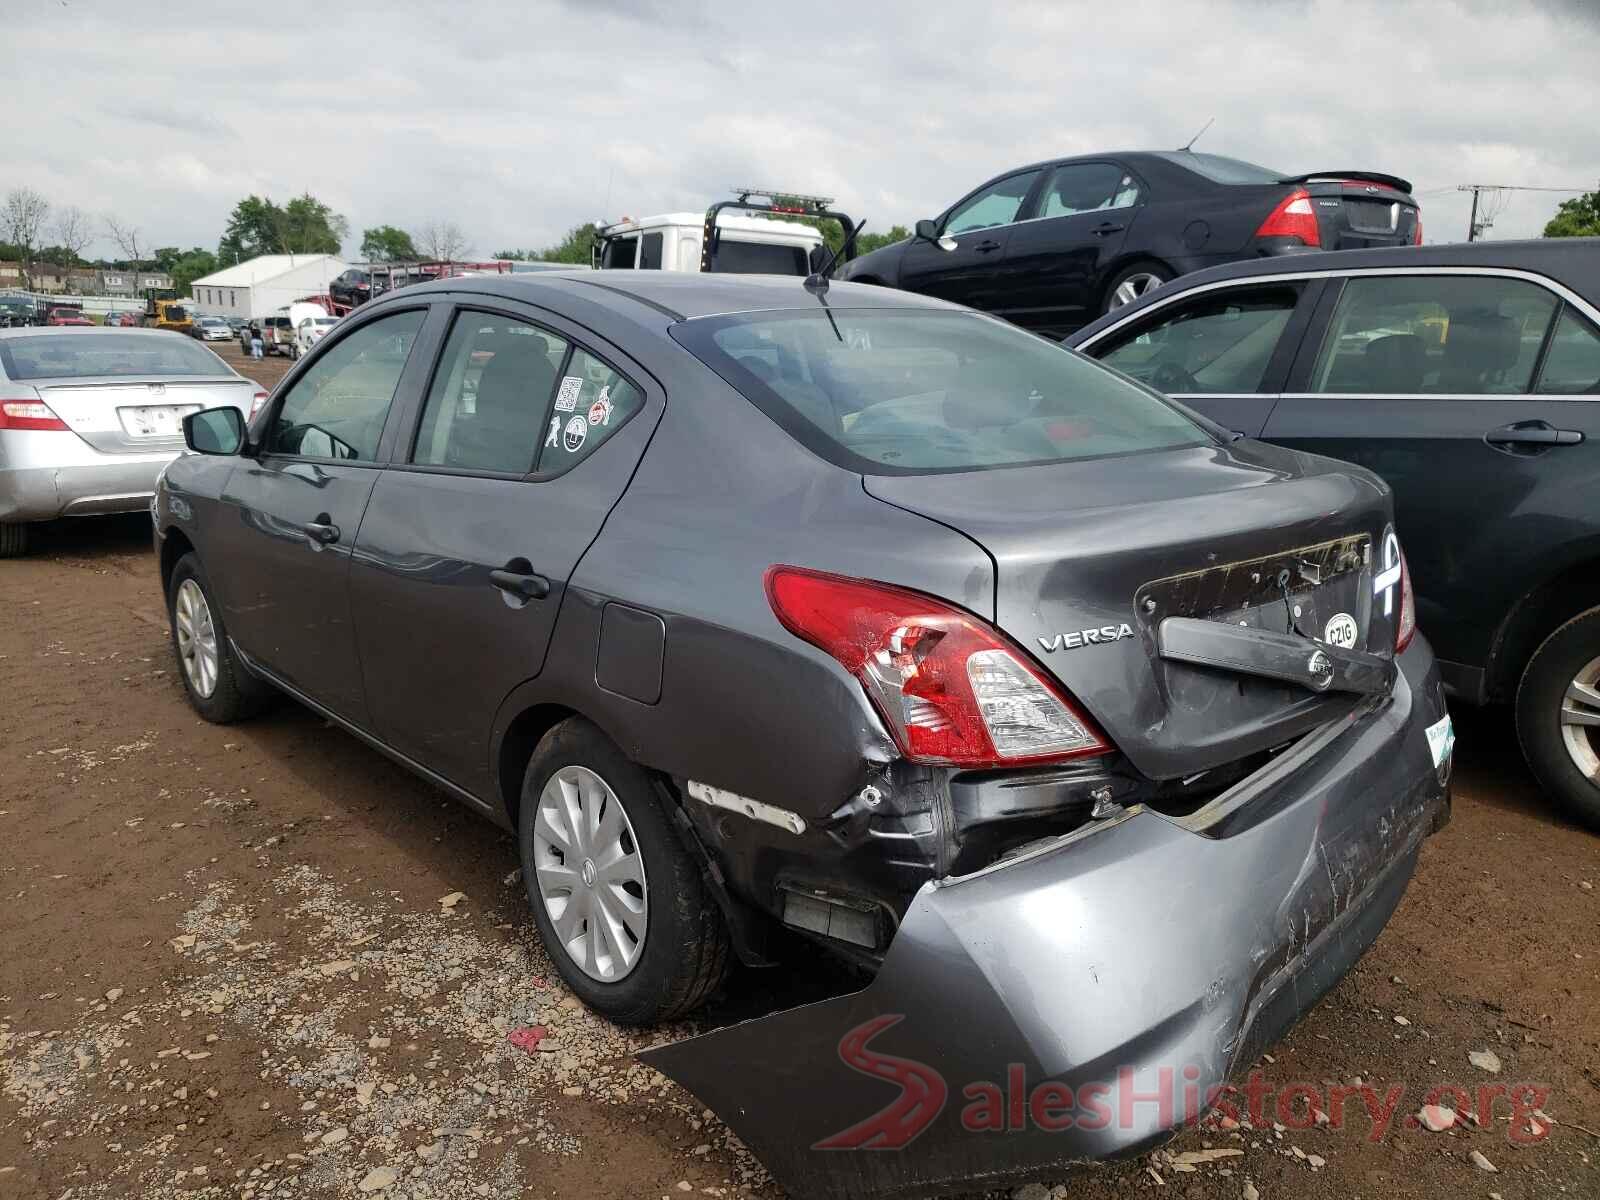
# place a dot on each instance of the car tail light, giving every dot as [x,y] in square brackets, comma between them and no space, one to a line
[951,687]
[1294,217]
[1406,627]
[1416,236]
[28,414]
[256,402]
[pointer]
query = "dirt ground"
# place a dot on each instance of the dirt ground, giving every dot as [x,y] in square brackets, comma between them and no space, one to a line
[231,965]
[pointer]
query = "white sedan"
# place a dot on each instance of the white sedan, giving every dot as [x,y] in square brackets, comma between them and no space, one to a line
[310,331]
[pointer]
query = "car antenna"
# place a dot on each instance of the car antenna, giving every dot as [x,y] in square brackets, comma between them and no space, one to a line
[1196,137]
[817,281]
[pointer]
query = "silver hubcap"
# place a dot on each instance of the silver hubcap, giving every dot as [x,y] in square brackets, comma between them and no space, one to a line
[1580,720]
[1131,288]
[590,874]
[197,638]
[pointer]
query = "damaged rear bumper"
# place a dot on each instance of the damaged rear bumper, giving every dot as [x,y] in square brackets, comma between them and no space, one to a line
[1071,1004]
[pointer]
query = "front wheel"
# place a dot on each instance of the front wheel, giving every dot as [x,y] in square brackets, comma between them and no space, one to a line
[619,903]
[1558,716]
[219,687]
[1133,283]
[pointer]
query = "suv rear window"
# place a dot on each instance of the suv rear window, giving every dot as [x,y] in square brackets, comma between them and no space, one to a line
[909,392]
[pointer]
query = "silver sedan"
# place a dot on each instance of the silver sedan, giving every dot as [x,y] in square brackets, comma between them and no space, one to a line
[90,417]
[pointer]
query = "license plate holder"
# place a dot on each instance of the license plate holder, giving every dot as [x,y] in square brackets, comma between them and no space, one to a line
[155,420]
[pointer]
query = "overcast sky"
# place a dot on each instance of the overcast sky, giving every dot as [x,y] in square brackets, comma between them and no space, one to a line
[519,120]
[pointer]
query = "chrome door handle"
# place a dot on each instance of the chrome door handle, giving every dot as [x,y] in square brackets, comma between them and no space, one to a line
[322,531]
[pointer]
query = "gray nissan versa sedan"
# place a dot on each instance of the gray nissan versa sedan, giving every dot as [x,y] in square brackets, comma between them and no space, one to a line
[1101,738]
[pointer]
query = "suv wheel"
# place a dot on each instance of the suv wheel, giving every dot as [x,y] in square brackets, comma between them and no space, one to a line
[1132,283]
[1558,716]
[13,539]
[220,688]
[620,905]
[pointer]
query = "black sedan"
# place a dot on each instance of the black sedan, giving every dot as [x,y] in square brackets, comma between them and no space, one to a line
[759,610]
[1053,245]
[1468,377]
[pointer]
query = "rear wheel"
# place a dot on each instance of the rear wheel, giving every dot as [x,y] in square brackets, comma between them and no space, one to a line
[1133,282]
[220,688]
[620,905]
[13,539]
[1558,716]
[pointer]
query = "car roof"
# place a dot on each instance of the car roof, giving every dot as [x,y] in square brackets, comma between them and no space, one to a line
[681,295]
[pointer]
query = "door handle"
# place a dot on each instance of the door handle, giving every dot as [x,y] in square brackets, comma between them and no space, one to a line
[523,585]
[1531,437]
[984,247]
[1107,228]
[322,531]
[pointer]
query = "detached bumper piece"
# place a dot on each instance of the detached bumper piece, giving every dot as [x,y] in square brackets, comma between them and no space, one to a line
[1282,656]
[1080,1001]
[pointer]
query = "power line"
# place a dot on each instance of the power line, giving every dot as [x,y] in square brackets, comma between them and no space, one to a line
[1498,199]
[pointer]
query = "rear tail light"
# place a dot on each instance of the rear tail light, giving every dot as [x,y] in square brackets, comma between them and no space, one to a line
[256,402]
[950,687]
[1405,628]
[28,414]
[1416,236]
[1293,218]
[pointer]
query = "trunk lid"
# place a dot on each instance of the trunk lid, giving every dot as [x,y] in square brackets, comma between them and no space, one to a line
[1091,556]
[1356,210]
[122,416]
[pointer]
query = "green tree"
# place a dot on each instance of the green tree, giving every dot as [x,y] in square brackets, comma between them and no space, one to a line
[188,267]
[516,255]
[309,226]
[869,242]
[1579,217]
[385,243]
[575,247]
[252,229]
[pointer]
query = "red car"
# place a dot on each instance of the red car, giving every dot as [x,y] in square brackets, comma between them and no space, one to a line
[125,320]
[67,316]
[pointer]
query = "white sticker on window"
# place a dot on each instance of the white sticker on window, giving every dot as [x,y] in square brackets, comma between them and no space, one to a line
[577,430]
[567,397]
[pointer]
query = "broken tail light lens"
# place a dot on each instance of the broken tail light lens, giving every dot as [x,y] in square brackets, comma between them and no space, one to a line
[1293,218]
[950,687]
[1406,627]
[28,414]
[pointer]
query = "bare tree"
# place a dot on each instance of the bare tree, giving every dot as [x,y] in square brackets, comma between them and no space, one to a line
[442,240]
[22,219]
[73,231]
[130,240]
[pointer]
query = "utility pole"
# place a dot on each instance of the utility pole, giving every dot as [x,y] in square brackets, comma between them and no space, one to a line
[1473,228]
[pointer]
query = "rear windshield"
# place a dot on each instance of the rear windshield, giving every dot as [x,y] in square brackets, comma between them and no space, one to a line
[1221,170]
[759,258]
[82,355]
[907,392]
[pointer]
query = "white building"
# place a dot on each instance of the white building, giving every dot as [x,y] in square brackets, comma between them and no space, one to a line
[261,286]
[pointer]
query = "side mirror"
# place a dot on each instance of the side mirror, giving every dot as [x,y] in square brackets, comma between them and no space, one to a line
[928,231]
[214,431]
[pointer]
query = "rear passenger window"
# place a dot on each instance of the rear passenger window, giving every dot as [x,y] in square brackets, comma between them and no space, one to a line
[487,404]
[1434,334]
[1220,343]
[592,403]
[1572,366]
[650,252]
[338,407]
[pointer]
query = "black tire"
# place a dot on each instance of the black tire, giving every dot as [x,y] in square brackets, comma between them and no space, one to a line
[1540,694]
[13,539]
[686,951]
[237,694]
[1152,269]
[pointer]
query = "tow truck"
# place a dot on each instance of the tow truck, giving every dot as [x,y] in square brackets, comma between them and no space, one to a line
[731,244]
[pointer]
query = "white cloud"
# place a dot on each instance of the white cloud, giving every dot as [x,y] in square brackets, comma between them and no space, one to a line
[518,121]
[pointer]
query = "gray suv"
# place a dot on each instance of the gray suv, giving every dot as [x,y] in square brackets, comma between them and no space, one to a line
[762,611]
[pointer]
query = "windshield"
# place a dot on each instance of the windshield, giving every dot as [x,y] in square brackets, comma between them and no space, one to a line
[84,355]
[908,392]
[1221,170]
